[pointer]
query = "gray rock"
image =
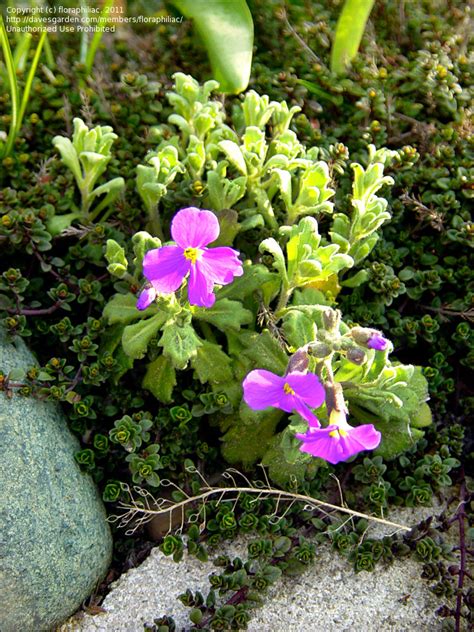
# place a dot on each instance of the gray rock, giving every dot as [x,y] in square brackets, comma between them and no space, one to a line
[328,597]
[55,543]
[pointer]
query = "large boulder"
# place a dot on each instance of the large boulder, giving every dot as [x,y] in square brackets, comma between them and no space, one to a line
[55,543]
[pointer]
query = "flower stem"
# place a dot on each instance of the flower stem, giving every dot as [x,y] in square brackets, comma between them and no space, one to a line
[35,312]
[285,295]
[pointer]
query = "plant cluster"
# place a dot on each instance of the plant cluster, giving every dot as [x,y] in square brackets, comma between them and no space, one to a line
[416,88]
[291,172]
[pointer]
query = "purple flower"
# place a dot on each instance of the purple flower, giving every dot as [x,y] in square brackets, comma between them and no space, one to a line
[377,342]
[294,392]
[339,441]
[166,267]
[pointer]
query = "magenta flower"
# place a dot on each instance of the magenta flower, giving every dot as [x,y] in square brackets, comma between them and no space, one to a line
[339,441]
[166,267]
[377,342]
[294,392]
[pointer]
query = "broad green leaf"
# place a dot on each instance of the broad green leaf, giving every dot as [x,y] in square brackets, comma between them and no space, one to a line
[224,314]
[226,29]
[180,343]
[298,329]
[285,464]
[422,417]
[212,364]
[136,337]
[122,309]
[349,30]
[247,443]
[254,277]
[265,352]
[160,379]
[396,438]
[356,279]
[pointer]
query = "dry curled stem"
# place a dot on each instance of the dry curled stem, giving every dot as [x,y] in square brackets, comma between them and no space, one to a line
[143,506]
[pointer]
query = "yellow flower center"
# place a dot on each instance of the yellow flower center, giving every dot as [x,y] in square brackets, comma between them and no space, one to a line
[287,389]
[338,433]
[193,254]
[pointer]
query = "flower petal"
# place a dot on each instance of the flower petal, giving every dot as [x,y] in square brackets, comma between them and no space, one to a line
[166,268]
[307,387]
[146,298]
[262,389]
[221,264]
[200,288]
[364,437]
[337,448]
[377,342]
[193,228]
[302,409]
[319,443]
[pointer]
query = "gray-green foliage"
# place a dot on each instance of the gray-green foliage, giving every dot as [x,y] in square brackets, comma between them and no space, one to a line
[87,156]
[254,172]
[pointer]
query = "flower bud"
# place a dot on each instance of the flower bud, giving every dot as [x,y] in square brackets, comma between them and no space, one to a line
[299,362]
[319,350]
[360,335]
[356,356]
[370,338]
[331,320]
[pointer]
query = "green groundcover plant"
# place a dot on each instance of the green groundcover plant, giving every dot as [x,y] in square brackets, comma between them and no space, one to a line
[252,280]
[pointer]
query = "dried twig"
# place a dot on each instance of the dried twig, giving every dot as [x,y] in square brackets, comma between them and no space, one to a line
[139,511]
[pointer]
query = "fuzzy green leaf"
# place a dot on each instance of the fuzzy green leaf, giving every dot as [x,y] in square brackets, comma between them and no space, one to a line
[254,277]
[136,337]
[212,364]
[160,379]
[122,309]
[180,343]
[224,314]
[247,443]
[265,352]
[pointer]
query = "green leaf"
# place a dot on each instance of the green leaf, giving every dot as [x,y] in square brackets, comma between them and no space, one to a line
[160,379]
[180,343]
[253,278]
[422,417]
[284,466]
[247,443]
[273,247]
[122,309]
[226,29]
[349,30]
[234,155]
[136,337]
[116,258]
[356,279]
[212,364]
[265,352]
[224,314]
[298,328]
[68,155]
